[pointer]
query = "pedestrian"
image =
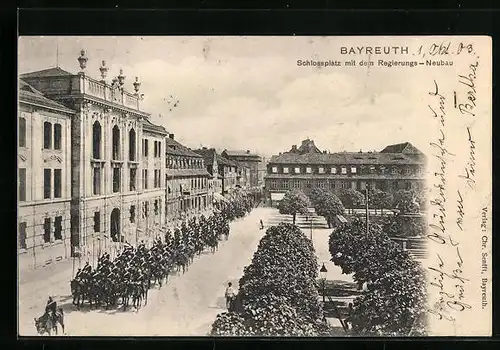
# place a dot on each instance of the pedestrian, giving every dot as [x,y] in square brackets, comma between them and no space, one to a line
[261,224]
[348,320]
[230,295]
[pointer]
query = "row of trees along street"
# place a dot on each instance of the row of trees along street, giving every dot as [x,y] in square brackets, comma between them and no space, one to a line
[407,203]
[394,302]
[278,294]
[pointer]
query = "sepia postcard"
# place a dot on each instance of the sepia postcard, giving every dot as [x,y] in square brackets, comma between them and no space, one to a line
[251,186]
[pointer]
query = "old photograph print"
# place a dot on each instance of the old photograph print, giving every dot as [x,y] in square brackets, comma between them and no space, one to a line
[254,186]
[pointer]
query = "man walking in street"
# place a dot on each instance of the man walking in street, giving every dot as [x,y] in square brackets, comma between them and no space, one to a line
[230,295]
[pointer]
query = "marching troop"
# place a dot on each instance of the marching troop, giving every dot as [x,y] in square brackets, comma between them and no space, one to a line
[126,279]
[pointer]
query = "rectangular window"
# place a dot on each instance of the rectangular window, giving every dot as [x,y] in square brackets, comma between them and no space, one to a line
[97,181]
[46,230]
[132,214]
[116,179]
[57,136]
[22,185]
[58,228]
[285,184]
[47,135]
[47,179]
[343,170]
[146,209]
[394,171]
[133,173]
[22,132]
[372,170]
[146,148]
[285,170]
[157,207]
[57,183]
[297,170]
[333,170]
[353,170]
[308,170]
[273,184]
[22,235]
[145,179]
[159,149]
[275,169]
[321,170]
[97,221]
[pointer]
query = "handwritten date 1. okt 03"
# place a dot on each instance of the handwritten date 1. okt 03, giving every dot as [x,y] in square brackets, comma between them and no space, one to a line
[444,48]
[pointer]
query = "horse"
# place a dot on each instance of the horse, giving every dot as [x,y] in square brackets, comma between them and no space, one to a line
[45,324]
[77,291]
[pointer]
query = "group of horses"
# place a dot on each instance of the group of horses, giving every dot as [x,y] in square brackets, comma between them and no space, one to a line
[127,279]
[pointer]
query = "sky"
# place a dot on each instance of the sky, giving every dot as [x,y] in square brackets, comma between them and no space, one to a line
[249,93]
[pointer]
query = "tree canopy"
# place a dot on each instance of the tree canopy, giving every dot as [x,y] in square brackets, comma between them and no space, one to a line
[278,290]
[294,202]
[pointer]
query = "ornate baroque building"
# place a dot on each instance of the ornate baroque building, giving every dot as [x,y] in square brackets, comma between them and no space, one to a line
[116,181]
[400,166]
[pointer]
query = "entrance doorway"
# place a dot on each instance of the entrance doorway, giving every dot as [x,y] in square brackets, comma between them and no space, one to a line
[115,225]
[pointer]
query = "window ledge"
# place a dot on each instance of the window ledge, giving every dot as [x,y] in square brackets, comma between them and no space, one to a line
[22,251]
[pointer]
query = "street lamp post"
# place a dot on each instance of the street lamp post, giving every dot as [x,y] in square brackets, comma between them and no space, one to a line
[323,272]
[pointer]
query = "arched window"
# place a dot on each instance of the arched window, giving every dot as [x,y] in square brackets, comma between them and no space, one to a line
[57,136]
[96,140]
[116,143]
[131,144]
[47,135]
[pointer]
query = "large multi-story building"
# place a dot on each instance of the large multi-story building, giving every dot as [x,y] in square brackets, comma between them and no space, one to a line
[44,172]
[187,179]
[400,166]
[248,166]
[102,158]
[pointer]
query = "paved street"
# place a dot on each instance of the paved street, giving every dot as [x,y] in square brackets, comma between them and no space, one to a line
[188,304]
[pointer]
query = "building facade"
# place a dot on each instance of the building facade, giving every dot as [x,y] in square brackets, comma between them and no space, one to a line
[44,179]
[248,166]
[188,191]
[210,160]
[228,173]
[400,166]
[109,204]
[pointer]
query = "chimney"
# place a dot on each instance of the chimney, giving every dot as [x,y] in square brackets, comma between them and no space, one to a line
[248,151]
[171,136]
[204,148]
[294,148]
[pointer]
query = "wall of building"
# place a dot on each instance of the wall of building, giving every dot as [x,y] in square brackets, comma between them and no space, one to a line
[35,247]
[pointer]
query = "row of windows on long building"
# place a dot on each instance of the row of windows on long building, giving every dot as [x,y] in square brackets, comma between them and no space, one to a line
[56,225]
[372,169]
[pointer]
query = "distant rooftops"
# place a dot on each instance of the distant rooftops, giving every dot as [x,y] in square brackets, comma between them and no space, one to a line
[308,153]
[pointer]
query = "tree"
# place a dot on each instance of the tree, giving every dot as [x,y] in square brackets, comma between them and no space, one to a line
[383,200]
[406,202]
[294,202]
[329,207]
[394,304]
[351,198]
